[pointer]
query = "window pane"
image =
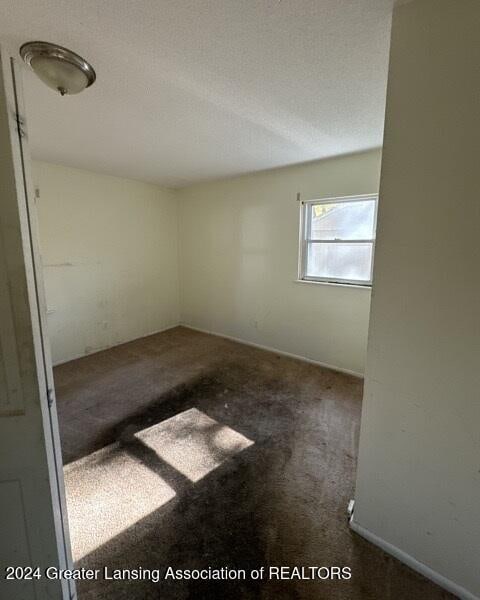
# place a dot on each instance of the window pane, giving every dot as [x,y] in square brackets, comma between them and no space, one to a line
[343,220]
[339,261]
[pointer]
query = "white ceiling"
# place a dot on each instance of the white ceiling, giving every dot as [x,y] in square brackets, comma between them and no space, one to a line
[189,90]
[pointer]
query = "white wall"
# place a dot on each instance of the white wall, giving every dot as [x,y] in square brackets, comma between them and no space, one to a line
[418,485]
[109,249]
[239,258]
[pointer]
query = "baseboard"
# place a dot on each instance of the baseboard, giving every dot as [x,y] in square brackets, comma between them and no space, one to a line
[276,350]
[414,564]
[227,337]
[66,360]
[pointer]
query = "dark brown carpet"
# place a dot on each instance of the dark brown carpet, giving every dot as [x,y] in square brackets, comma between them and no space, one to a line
[188,450]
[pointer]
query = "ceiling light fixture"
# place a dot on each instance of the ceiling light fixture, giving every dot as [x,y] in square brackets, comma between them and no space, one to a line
[59,68]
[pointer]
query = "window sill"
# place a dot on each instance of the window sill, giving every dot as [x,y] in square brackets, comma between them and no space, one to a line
[335,284]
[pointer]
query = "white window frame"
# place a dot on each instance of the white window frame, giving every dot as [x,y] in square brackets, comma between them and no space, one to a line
[305,239]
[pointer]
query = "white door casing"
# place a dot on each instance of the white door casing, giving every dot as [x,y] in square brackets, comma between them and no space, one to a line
[33,522]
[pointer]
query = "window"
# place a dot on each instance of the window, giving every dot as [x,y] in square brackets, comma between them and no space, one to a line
[338,240]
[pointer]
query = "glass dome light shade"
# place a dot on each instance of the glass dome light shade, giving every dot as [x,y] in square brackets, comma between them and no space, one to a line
[59,68]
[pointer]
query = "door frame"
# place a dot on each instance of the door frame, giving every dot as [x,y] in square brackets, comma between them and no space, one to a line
[11,74]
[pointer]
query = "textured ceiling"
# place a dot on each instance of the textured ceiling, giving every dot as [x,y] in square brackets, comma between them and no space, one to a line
[189,90]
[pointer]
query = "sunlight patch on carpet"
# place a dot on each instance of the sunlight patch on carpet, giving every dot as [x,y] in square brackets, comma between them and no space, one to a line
[193,443]
[108,492]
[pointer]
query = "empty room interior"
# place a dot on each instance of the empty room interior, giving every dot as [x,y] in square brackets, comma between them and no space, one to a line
[257,231]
